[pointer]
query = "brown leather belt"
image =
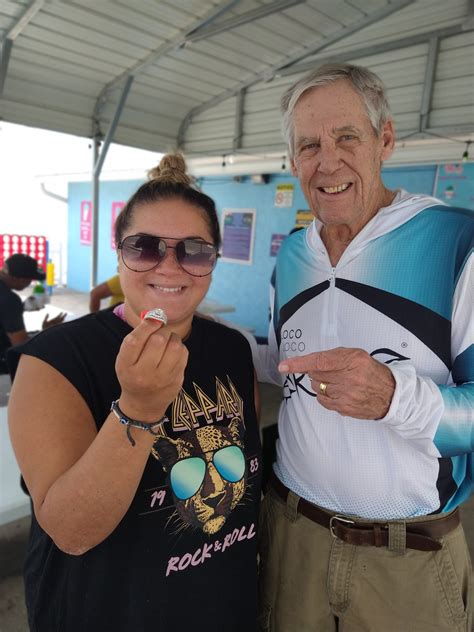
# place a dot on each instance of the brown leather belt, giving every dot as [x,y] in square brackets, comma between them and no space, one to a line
[420,535]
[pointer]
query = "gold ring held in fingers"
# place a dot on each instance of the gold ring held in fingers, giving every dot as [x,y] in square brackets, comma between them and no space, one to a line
[322,388]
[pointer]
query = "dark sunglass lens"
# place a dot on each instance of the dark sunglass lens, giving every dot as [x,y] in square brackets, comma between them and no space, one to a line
[196,257]
[143,252]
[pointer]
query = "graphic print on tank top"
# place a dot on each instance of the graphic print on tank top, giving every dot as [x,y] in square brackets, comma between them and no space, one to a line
[202,452]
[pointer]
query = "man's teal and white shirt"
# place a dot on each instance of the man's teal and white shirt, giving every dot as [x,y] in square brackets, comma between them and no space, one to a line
[403,291]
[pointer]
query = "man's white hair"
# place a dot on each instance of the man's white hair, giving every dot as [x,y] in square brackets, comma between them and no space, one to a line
[366,83]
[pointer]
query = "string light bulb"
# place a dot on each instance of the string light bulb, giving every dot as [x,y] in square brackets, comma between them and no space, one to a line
[465,156]
[283,163]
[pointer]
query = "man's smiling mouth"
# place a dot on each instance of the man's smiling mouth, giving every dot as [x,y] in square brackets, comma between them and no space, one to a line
[339,188]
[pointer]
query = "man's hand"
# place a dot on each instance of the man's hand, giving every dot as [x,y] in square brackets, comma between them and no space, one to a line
[348,381]
[50,322]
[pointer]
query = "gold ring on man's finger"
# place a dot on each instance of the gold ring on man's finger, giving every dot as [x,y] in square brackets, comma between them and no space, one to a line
[322,388]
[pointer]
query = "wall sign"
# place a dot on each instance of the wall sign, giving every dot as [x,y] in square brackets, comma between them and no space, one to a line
[238,231]
[454,185]
[284,195]
[86,223]
[275,244]
[116,208]
[303,218]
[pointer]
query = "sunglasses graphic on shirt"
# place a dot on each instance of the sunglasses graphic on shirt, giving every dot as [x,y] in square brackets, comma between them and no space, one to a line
[187,475]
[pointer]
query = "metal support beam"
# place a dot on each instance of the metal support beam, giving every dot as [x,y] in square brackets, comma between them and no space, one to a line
[244,18]
[428,83]
[239,120]
[95,212]
[470,14]
[98,162]
[113,124]
[288,60]
[358,25]
[375,49]
[26,17]
[177,42]
[15,29]
[461,133]
[211,16]
[6,51]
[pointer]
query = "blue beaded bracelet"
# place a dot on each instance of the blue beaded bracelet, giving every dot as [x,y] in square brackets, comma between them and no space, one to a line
[133,423]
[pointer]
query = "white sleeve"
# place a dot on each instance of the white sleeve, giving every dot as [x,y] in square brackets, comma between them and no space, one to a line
[439,418]
[416,408]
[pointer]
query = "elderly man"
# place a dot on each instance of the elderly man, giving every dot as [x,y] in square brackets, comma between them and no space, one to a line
[372,335]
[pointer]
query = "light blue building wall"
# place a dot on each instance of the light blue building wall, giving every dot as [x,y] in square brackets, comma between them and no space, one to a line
[79,255]
[245,286]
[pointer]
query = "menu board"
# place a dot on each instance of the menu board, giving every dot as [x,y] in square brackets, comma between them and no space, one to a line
[238,231]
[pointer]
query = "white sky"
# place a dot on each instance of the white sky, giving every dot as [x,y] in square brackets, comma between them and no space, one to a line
[30,156]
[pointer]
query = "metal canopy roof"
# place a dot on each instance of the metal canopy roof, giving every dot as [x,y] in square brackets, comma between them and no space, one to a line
[207,75]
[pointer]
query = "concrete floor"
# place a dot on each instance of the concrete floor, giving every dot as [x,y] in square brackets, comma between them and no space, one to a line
[13,536]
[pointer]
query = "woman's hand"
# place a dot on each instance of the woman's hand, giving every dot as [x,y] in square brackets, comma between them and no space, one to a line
[150,368]
[50,322]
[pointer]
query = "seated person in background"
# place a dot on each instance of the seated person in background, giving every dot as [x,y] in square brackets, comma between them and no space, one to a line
[110,288]
[17,273]
[142,450]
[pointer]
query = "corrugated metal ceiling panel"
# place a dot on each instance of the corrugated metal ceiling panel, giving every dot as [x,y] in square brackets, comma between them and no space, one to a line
[455,62]
[419,17]
[70,51]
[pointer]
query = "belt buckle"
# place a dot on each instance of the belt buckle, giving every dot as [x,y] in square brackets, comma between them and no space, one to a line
[339,519]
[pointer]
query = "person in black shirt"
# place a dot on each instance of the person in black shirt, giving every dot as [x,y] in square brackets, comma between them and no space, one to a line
[139,442]
[17,273]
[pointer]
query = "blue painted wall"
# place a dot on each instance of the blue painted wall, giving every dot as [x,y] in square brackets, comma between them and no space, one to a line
[79,255]
[419,179]
[246,286]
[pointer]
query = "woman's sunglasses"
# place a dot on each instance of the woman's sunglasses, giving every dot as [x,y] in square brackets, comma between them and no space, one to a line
[142,253]
[187,475]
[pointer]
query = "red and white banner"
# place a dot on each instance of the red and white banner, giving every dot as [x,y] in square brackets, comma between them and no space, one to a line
[86,223]
[116,208]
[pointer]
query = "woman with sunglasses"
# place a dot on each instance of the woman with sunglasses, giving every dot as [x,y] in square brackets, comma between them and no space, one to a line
[138,441]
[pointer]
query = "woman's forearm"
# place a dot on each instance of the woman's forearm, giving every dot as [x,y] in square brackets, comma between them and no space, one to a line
[86,503]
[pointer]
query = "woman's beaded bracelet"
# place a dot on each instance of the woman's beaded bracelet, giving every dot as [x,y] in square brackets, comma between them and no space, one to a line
[133,423]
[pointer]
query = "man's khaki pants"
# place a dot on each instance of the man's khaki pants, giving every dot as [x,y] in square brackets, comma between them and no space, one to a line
[313,582]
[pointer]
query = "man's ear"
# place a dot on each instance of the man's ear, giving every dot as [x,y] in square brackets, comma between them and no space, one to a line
[294,170]
[388,140]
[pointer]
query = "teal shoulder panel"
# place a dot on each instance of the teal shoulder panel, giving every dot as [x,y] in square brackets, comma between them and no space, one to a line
[421,260]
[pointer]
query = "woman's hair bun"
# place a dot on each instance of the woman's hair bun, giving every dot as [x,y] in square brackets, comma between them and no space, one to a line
[172,168]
